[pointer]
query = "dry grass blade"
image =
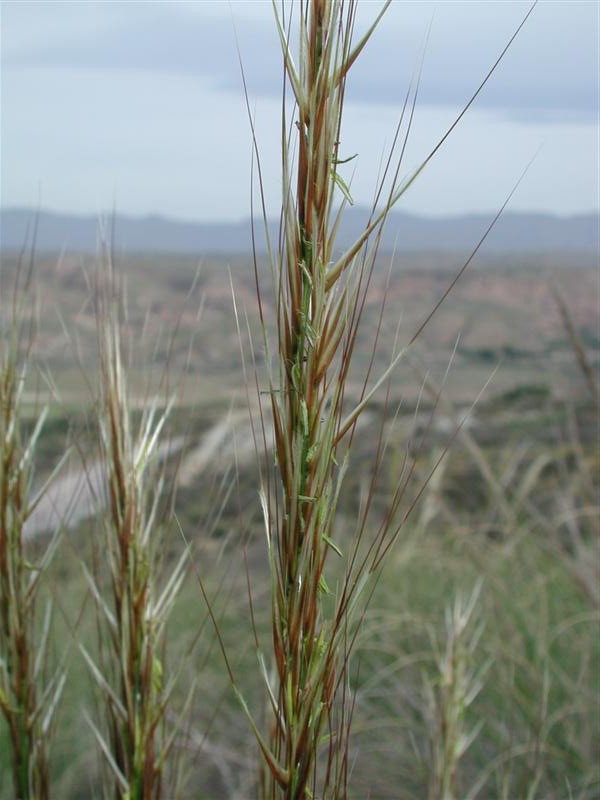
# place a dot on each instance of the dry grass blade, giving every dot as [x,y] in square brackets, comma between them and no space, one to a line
[579,349]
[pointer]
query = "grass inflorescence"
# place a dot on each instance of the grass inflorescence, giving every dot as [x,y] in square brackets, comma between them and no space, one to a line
[134,610]
[28,695]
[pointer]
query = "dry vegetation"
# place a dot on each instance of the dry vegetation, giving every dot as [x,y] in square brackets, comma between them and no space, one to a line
[303,563]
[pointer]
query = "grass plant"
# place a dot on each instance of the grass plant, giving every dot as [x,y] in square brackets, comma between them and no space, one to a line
[318,311]
[450,694]
[132,615]
[28,695]
[320,296]
[345,627]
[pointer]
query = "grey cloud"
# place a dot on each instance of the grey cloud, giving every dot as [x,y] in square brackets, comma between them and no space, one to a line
[550,74]
[161,38]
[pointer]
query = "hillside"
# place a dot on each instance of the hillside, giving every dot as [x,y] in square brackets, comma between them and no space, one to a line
[523,233]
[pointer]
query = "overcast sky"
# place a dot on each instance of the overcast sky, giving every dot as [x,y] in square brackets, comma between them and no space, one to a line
[139,105]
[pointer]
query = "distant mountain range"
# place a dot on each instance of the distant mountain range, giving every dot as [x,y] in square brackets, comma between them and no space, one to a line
[155,234]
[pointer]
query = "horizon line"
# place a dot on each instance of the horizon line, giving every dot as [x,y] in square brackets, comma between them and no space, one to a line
[169,217]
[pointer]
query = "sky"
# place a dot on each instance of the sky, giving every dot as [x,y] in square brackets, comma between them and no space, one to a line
[139,106]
